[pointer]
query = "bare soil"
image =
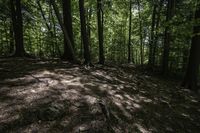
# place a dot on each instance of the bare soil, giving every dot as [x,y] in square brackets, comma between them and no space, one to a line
[57,97]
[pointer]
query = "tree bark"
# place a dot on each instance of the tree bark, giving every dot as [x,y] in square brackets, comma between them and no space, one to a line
[17,23]
[157,32]
[167,39]
[100,31]
[152,38]
[141,34]
[84,34]
[66,35]
[11,49]
[129,40]
[191,76]
[67,16]
[89,17]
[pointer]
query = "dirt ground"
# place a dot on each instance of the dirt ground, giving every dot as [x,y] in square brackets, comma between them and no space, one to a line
[57,97]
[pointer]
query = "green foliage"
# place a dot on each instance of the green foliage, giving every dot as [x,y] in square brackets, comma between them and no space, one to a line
[40,42]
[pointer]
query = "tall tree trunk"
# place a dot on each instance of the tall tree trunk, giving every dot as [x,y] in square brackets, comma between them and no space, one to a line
[167,39]
[66,35]
[89,17]
[129,40]
[84,34]
[157,32]
[141,34]
[152,38]
[17,27]
[55,46]
[11,49]
[100,31]
[67,16]
[190,80]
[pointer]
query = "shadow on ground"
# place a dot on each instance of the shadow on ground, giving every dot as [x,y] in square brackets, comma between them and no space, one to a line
[52,96]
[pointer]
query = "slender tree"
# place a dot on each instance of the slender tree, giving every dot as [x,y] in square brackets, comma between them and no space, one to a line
[190,80]
[43,15]
[129,40]
[167,39]
[84,34]
[157,26]
[152,37]
[67,16]
[89,17]
[140,33]
[100,31]
[11,49]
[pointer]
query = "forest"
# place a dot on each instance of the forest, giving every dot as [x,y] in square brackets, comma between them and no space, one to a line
[99,66]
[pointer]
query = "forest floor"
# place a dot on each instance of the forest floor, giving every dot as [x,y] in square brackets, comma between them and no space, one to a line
[54,97]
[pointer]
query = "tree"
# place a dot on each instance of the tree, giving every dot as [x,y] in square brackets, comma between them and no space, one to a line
[84,34]
[152,39]
[66,35]
[17,23]
[129,39]
[67,16]
[191,76]
[167,39]
[140,33]
[11,49]
[157,26]
[100,31]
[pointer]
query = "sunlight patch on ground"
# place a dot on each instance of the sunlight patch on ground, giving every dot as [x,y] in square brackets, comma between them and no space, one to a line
[71,94]
[90,99]
[141,129]
[8,117]
[119,97]
[129,97]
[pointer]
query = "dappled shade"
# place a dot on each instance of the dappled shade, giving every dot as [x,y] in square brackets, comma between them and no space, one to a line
[54,96]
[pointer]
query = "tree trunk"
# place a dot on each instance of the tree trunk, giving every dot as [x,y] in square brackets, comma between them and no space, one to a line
[17,27]
[43,15]
[129,40]
[66,35]
[84,34]
[11,49]
[141,34]
[167,39]
[152,38]
[67,16]
[100,31]
[157,32]
[191,76]
[89,17]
